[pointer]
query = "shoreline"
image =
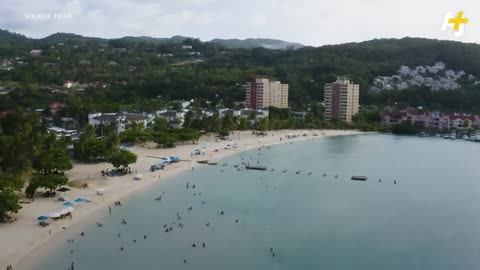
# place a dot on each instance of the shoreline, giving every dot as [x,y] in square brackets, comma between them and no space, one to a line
[25,236]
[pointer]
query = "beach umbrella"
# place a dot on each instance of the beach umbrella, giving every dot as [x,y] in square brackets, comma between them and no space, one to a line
[66,210]
[100,190]
[63,189]
[82,200]
[55,214]
[69,204]
[42,218]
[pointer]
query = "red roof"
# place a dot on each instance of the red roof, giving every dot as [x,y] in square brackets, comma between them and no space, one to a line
[57,104]
[3,114]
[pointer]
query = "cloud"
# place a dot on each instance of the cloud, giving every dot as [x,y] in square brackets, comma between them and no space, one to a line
[312,22]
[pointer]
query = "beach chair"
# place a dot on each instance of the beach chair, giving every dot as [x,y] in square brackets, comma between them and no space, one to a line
[43,223]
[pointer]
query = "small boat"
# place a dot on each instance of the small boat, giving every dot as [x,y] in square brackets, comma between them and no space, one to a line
[424,134]
[212,163]
[258,168]
[202,161]
[465,137]
[359,178]
[446,136]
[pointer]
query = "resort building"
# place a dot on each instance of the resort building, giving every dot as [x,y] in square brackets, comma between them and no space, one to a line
[341,100]
[431,120]
[263,93]
[174,118]
[243,113]
[120,120]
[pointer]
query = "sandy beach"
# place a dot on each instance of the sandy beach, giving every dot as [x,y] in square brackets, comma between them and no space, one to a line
[24,237]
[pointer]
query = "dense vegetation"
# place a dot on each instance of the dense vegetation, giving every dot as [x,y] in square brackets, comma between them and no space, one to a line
[28,152]
[149,71]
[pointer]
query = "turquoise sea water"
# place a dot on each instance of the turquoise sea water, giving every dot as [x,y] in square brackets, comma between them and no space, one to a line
[430,219]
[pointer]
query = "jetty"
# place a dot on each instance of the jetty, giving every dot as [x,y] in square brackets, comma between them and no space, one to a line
[359,178]
[258,168]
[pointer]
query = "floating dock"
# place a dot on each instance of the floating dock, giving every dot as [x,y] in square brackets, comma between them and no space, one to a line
[258,168]
[359,178]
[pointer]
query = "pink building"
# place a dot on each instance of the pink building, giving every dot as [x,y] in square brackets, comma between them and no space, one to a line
[431,120]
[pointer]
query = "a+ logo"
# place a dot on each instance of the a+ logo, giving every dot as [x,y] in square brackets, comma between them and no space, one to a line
[456,23]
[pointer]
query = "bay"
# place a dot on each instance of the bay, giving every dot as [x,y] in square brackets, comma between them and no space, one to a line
[429,219]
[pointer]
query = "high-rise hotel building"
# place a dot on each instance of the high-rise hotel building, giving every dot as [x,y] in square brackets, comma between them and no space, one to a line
[341,100]
[262,93]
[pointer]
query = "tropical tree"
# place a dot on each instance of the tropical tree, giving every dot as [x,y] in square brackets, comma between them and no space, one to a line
[91,148]
[262,125]
[159,124]
[8,204]
[49,165]
[122,158]
[164,139]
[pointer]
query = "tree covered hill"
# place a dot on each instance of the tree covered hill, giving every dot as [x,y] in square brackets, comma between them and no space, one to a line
[182,67]
[250,43]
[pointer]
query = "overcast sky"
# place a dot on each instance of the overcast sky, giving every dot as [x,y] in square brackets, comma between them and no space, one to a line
[311,22]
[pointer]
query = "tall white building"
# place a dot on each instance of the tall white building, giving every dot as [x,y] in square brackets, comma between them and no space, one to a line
[262,93]
[341,100]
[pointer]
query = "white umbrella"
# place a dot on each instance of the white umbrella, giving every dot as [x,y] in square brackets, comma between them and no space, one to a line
[100,191]
[55,214]
[66,210]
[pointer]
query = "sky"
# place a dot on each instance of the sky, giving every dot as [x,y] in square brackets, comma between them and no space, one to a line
[310,22]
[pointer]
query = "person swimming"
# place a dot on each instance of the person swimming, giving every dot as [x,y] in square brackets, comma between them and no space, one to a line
[124,222]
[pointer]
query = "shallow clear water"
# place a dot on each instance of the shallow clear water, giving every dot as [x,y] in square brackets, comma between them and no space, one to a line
[429,220]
